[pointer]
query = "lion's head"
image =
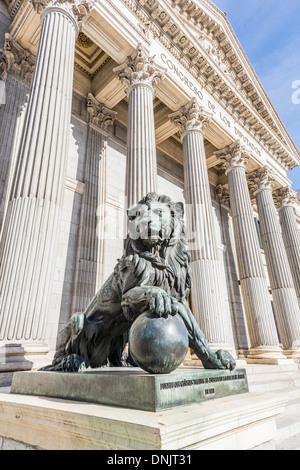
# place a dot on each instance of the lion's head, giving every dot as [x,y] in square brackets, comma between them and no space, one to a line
[158,235]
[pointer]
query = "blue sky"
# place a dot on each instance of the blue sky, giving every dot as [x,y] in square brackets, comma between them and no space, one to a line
[269,32]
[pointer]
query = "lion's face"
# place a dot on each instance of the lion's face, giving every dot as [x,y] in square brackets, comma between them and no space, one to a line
[151,222]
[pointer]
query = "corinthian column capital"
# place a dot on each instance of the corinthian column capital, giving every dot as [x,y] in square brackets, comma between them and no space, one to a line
[140,69]
[223,195]
[234,155]
[261,179]
[16,60]
[191,117]
[100,115]
[284,197]
[75,9]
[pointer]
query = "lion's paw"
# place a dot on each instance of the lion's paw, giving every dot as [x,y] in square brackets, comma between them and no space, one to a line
[160,303]
[73,363]
[226,359]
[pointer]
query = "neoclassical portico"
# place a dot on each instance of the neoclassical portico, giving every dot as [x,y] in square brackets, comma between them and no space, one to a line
[151,105]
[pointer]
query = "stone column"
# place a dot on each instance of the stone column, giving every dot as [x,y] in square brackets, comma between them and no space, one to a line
[281,281]
[285,200]
[261,324]
[207,308]
[29,239]
[140,73]
[90,245]
[17,65]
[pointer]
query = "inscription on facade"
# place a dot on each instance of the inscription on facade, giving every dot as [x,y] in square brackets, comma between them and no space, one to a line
[181,76]
[216,110]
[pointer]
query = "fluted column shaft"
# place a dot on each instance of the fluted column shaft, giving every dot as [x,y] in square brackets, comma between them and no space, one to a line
[281,281]
[91,237]
[140,73]
[285,199]
[257,304]
[29,239]
[17,65]
[141,170]
[206,300]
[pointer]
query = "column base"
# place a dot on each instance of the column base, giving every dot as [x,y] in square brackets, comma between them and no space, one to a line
[293,354]
[23,356]
[267,355]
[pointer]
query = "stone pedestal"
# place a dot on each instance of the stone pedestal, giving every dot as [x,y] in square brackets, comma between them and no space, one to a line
[240,422]
[134,388]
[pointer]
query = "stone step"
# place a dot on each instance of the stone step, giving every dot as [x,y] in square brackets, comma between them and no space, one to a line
[270,368]
[288,424]
[273,377]
[292,443]
[281,385]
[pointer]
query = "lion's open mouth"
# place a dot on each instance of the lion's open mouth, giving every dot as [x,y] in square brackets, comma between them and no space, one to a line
[155,235]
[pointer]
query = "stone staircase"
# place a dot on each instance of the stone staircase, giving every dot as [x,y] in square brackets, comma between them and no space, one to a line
[283,380]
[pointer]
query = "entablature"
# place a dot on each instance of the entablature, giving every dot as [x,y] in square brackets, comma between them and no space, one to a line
[194,42]
[200,37]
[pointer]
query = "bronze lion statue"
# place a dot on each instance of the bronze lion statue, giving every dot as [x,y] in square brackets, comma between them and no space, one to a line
[153,274]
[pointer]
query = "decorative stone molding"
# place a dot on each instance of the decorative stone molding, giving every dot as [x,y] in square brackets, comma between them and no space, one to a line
[261,179]
[223,195]
[284,197]
[100,115]
[208,49]
[140,68]
[13,6]
[16,60]
[76,9]
[191,117]
[234,155]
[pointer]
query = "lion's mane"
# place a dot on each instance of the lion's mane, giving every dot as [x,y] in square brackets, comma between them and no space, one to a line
[167,268]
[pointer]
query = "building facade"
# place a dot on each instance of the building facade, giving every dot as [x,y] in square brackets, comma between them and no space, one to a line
[106,100]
